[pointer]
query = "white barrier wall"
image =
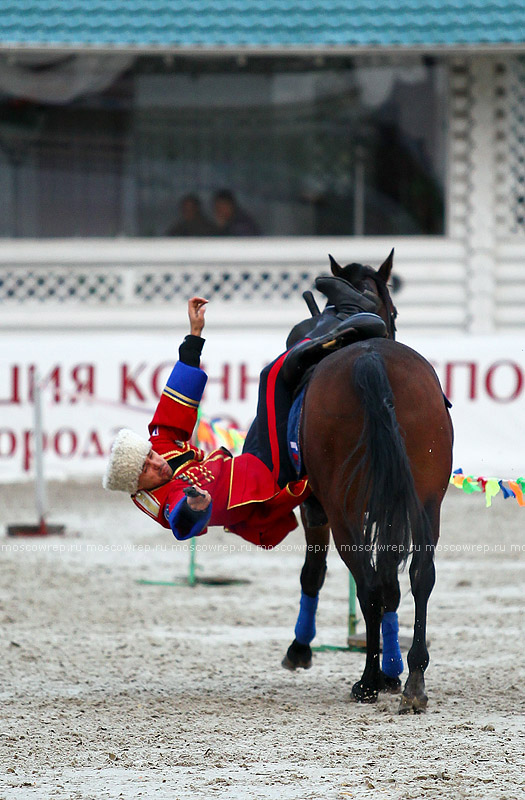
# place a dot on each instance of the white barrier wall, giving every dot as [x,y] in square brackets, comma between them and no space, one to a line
[97,382]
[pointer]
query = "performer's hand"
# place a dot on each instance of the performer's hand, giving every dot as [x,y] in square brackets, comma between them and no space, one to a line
[196,309]
[199,503]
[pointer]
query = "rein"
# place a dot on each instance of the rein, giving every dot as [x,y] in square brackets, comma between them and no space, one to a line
[384,296]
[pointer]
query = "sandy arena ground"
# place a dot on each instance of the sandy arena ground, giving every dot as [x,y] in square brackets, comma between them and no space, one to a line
[115,689]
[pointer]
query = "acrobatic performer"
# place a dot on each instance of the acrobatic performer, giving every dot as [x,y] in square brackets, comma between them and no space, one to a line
[253,494]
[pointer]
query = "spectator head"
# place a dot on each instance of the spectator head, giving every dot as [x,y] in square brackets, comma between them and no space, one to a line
[224,207]
[190,207]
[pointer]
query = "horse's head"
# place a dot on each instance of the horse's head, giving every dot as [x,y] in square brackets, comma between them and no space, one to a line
[368,280]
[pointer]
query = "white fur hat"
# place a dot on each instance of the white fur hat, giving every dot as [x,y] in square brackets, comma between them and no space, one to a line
[126,460]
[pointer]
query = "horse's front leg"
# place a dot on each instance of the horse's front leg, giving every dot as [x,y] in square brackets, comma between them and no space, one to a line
[299,654]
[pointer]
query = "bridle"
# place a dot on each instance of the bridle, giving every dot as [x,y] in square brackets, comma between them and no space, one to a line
[381,290]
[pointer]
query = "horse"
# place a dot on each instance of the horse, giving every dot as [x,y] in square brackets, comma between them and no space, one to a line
[376,439]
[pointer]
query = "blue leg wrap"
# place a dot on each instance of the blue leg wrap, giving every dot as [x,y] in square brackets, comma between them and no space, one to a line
[305,625]
[392,659]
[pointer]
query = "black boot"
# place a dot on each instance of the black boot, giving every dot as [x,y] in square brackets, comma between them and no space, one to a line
[324,341]
[345,298]
[342,300]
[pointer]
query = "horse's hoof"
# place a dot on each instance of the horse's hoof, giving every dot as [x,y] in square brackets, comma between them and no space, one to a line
[417,704]
[364,694]
[298,656]
[390,685]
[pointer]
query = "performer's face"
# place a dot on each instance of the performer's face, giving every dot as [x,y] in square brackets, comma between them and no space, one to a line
[155,472]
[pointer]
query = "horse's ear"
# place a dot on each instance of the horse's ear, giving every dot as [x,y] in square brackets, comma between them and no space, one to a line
[334,266]
[386,267]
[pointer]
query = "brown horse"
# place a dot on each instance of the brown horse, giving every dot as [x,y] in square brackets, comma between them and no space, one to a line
[376,438]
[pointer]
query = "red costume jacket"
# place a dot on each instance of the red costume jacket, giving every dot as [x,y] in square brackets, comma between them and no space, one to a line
[245,496]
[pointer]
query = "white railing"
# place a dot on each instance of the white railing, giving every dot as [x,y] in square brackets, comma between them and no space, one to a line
[509,301]
[142,283]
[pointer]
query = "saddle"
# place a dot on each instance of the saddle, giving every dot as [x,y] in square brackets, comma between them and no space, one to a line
[349,317]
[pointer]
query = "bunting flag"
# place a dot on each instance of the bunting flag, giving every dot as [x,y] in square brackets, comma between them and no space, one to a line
[210,434]
[490,487]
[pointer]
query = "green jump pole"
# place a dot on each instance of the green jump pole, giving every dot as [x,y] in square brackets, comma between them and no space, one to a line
[352,616]
[355,643]
[192,578]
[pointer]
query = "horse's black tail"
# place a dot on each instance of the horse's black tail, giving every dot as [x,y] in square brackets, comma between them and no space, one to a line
[394,520]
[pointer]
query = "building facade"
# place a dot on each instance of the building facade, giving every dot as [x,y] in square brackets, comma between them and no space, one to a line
[338,127]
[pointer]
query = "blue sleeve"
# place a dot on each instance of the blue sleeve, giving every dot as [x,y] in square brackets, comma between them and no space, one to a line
[187,523]
[186,384]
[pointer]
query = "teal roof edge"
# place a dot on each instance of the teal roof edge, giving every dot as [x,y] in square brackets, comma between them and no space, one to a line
[252,24]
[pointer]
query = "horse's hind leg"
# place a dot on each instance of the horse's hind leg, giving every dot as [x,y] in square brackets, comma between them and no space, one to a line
[422,578]
[370,599]
[370,596]
[299,654]
[392,662]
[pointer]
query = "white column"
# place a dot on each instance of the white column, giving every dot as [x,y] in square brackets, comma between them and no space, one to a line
[481,225]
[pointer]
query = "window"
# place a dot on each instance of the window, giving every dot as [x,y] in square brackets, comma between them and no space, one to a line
[306,148]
